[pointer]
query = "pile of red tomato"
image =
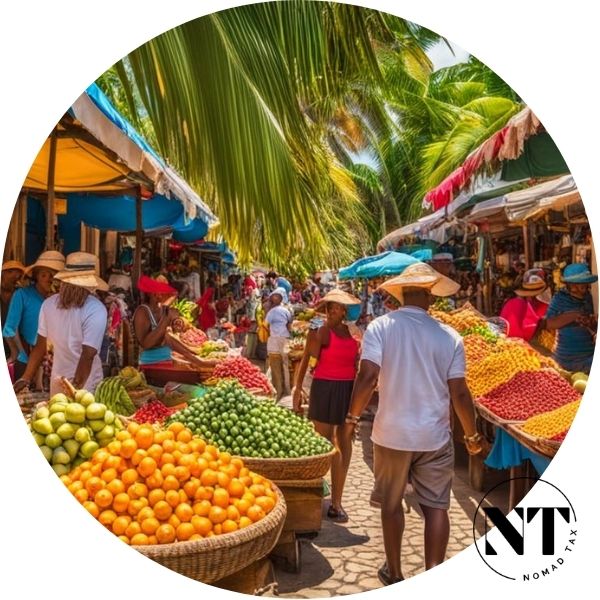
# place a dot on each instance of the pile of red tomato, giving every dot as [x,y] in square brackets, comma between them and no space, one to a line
[529,393]
[250,376]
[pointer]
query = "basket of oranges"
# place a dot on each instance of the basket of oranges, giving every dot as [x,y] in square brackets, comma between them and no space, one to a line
[179,501]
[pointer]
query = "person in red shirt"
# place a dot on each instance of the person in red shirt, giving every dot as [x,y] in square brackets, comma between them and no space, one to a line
[526,313]
[332,353]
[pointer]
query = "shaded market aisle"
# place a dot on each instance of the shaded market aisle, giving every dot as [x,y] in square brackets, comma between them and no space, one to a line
[344,558]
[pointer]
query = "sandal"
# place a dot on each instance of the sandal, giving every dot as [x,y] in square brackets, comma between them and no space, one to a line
[384,576]
[339,516]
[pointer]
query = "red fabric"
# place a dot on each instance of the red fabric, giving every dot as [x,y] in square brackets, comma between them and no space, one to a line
[337,361]
[444,193]
[523,316]
[151,286]
[208,316]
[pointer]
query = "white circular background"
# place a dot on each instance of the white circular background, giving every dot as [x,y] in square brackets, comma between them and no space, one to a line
[51,51]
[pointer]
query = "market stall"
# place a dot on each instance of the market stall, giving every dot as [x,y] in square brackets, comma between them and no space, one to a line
[525,402]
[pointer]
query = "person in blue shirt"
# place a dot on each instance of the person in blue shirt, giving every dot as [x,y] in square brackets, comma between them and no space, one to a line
[280,283]
[571,314]
[21,326]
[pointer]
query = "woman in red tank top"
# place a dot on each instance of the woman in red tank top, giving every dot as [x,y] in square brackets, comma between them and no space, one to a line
[332,353]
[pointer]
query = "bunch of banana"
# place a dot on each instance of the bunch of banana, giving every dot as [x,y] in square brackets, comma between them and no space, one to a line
[262,329]
[132,378]
[187,309]
[112,393]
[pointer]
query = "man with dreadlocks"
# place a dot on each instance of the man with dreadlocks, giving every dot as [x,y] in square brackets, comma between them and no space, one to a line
[74,322]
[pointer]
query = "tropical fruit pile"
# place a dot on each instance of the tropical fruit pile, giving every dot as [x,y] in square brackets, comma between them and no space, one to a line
[213,350]
[233,420]
[552,423]
[249,375]
[69,432]
[152,412]
[193,337]
[123,392]
[499,367]
[187,309]
[159,487]
[462,320]
[528,394]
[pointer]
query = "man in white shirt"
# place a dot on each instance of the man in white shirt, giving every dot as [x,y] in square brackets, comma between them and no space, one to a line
[279,320]
[74,322]
[420,366]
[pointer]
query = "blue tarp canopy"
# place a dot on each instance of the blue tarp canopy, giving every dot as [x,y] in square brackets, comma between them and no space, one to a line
[349,272]
[393,263]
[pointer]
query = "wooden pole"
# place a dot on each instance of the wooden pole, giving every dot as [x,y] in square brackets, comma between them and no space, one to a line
[526,247]
[137,261]
[50,199]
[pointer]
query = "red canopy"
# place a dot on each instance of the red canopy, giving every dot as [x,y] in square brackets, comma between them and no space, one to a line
[506,144]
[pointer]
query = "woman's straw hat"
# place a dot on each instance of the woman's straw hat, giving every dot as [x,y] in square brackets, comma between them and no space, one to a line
[578,273]
[13,264]
[533,283]
[339,296]
[51,259]
[81,269]
[420,275]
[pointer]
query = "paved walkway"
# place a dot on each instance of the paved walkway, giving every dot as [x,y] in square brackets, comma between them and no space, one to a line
[343,559]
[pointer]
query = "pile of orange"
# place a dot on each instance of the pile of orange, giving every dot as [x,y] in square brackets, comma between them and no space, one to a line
[461,319]
[159,487]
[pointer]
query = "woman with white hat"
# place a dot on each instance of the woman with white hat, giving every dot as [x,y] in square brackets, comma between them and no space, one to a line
[21,325]
[571,314]
[74,322]
[332,354]
[525,313]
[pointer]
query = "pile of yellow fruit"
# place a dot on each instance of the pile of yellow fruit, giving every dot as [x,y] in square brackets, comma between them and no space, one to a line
[158,487]
[551,423]
[461,320]
[499,367]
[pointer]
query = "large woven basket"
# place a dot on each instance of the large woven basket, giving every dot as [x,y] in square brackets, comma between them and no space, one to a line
[211,559]
[488,415]
[285,469]
[548,448]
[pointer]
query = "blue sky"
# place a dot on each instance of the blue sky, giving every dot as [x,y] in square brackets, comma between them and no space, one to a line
[441,56]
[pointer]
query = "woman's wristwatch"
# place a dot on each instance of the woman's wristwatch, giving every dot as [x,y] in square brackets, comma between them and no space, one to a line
[351,419]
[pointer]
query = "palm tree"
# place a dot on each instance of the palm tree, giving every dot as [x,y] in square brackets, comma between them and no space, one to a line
[239,101]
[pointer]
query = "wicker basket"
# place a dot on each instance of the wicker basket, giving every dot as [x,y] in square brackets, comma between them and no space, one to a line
[285,469]
[211,559]
[540,445]
[488,415]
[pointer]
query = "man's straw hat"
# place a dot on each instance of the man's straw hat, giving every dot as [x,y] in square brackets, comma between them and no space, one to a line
[533,283]
[420,275]
[51,259]
[81,270]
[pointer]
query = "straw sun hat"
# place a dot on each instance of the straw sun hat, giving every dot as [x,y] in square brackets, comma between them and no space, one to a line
[51,259]
[339,296]
[420,275]
[81,270]
[578,273]
[533,284]
[13,264]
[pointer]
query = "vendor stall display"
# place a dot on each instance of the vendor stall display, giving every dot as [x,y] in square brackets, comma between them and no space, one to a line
[247,374]
[163,508]
[124,392]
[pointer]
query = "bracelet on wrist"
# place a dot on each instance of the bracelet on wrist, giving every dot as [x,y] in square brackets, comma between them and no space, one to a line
[352,419]
[473,439]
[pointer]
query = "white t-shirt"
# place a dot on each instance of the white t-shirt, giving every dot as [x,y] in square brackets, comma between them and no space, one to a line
[417,356]
[278,319]
[69,330]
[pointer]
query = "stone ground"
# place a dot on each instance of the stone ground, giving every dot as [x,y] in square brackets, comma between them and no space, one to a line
[344,558]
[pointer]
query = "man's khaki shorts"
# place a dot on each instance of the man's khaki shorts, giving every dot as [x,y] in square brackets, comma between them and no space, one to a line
[430,475]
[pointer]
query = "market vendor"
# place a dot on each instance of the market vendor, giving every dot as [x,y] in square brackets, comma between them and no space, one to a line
[525,314]
[571,314]
[153,320]
[21,326]
[12,271]
[74,322]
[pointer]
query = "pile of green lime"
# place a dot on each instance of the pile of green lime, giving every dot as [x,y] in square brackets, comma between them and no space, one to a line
[235,421]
